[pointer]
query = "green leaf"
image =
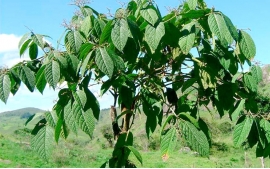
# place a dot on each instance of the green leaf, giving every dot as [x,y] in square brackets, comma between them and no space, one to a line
[25,46]
[150,16]
[119,63]
[33,117]
[73,62]
[187,39]
[167,121]
[265,125]
[120,34]
[38,39]
[51,118]
[85,63]
[250,82]
[84,119]
[69,117]
[192,4]
[106,33]
[196,139]
[99,25]
[168,142]
[153,35]
[247,45]
[73,41]
[92,102]
[86,25]
[219,28]
[58,129]
[136,153]
[231,27]
[257,73]
[24,38]
[239,107]
[33,51]
[52,73]
[4,87]
[40,79]
[188,117]
[42,142]
[104,61]
[241,130]
[28,77]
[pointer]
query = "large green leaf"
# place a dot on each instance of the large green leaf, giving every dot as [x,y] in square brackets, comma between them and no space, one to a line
[239,107]
[52,73]
[92,102]
[196,139]
[40,79]
[4,87]
[104,61]
[84,119]
[106,33]
[42,142]
[73,62]
[33,51]
[231,27]
[219,28]
[153,35]
[120,34]
[28,77]
[168,142]
[250,82]
[265,125]
[99,25]
[73,41]
[86,25]
[257,73]
[150,15]
[24,46]
[38,39]
[187,39]
[136,153]
[247,45]
[241,130]
[69,117]
[24,38]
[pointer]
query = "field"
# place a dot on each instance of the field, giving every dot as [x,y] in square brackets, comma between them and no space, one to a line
[79,151]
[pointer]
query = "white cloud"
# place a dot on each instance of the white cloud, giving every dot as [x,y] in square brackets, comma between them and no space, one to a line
[9,42]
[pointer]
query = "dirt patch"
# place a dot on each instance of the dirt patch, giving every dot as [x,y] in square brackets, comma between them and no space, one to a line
[5,161]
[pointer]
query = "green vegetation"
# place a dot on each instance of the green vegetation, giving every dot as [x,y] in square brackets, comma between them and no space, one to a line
[188,61]
[77,152]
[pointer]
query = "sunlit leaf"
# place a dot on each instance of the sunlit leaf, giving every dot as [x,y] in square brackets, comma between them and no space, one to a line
[4,87]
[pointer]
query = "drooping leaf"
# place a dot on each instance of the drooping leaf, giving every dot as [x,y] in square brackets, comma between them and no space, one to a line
[231,27]
[42,142]
[241,130]
[136,153]
[24,38]
[239,107]
[86,25]
[69,117]
[73,62]
[106,33]
[265,125]
[187,39]
[4,87]
[33,117]
[33,51]
[149,15]
[73,41]
[104,61]
[196,139]
[153,35]
[250,82]
[92,102]
[247,45]
[52,73]
[99,25]
[58,129]
[168,142]
[28,77]
[120,34]
[24,46]
[38,39]
[219,28]
[257,73]
[41,80]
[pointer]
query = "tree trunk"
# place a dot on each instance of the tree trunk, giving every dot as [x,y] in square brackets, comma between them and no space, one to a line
[262,162]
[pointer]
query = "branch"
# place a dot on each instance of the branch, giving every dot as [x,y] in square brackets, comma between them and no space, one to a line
[115,127]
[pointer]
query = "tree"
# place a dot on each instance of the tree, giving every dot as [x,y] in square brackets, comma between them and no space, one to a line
[135,55]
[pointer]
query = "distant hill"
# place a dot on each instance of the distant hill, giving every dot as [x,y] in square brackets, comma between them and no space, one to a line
[20,112]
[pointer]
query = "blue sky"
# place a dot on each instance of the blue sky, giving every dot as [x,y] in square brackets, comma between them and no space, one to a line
[46,17]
